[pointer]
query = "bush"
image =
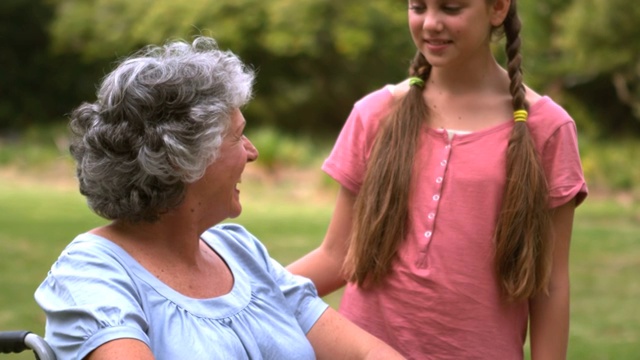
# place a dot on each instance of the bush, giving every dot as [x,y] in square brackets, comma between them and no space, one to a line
[34,147]
[278,150]
[611,164]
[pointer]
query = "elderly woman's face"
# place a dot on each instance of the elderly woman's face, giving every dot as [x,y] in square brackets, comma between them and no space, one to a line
[223,175]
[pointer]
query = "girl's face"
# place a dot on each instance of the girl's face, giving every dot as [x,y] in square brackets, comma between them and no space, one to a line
[454,31]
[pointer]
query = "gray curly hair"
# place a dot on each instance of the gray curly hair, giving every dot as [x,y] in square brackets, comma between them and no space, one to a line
[158,122]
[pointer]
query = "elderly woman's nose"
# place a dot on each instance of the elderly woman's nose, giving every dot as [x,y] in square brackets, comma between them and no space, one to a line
[252,152]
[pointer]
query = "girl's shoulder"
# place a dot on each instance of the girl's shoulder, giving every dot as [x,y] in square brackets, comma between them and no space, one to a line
[545,110]
[399,90]
[374,105]
[383,96]
[532,96]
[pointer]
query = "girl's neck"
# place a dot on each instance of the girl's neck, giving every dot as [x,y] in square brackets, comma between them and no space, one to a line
[475,77]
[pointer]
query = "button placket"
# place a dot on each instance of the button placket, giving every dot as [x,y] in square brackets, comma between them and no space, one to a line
[439,179]
[435,198]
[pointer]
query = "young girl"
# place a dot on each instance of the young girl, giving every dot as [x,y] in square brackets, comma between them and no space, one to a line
[458,189]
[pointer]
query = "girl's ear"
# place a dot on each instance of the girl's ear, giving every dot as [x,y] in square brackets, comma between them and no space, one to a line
[499,10]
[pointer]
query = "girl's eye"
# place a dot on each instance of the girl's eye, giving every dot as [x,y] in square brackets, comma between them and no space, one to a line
[417,7]
[451,9]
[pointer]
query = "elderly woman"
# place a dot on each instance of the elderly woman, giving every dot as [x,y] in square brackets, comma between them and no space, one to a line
[160,154]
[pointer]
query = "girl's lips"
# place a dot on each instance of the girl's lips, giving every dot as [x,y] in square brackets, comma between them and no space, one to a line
[437,44]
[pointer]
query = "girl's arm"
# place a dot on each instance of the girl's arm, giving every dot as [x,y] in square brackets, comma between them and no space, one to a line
[324,264]
[549,314]
[335,337]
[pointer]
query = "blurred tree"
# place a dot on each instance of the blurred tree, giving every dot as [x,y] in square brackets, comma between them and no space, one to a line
[17,55]
[314,57]
[601,39]
[36,87]
[539,29]
[585,54]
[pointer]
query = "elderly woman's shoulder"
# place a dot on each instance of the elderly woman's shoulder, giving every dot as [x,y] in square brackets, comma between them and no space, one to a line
[236,238]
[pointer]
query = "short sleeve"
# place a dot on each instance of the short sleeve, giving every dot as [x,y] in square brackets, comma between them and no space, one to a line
[89,299]
[347,162]
[561,159]
[297,293]
[301,296]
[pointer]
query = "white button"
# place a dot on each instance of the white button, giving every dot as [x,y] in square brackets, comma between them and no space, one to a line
[439,179]
[448,147]
[431,216]
[436,197]
[427,234]
[443,163]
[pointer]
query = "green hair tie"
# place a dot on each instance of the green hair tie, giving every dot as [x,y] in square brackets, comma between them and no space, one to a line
[414,80]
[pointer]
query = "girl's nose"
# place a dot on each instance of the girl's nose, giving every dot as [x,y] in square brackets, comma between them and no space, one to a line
[432,21]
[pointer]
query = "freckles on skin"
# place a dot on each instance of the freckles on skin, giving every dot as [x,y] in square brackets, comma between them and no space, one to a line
[193,209]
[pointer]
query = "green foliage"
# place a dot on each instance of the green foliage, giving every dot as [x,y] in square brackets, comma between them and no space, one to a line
[278,150]
[36,86]
[539,29]
[589,50]
[312,66]
[611,164]
[601,39]
[37,146]
[607,31]
[314,57]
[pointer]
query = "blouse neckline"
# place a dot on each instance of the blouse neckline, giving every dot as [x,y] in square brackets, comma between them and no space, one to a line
[222,306]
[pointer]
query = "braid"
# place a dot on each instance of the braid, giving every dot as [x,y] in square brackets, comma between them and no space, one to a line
[381,211]
[522,234]
[420,67]
[512,48]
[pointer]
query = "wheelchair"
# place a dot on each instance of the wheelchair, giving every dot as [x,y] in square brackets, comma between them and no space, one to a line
[19,341]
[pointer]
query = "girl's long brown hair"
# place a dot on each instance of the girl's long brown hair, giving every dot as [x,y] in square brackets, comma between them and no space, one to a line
[381,212]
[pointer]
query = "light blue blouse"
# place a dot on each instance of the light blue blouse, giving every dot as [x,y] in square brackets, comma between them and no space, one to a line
[96,292]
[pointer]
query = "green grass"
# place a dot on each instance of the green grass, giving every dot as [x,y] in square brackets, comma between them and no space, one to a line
[605,264]
[36,222]
[290,216]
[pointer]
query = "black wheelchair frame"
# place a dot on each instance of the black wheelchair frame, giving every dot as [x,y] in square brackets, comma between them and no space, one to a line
[19,341]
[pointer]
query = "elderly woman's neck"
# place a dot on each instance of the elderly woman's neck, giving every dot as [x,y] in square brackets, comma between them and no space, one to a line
[165,238]
[174,254]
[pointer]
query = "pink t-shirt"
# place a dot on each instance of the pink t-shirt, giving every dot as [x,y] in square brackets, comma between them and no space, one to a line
[441,299]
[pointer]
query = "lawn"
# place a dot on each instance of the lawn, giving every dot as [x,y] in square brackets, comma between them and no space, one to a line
[290,214]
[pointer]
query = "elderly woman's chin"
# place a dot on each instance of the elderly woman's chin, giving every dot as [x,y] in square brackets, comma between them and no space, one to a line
[236,210]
